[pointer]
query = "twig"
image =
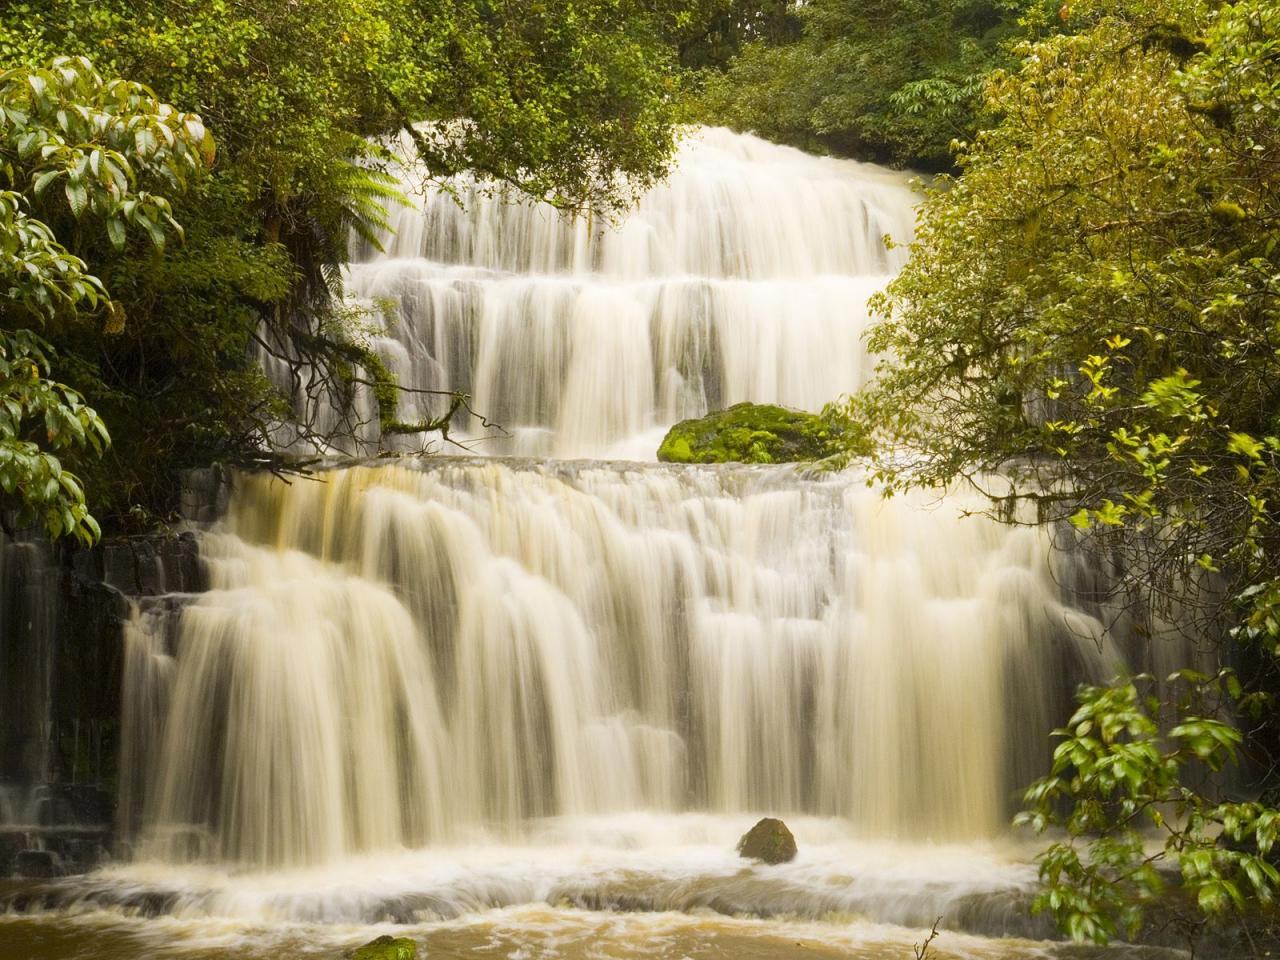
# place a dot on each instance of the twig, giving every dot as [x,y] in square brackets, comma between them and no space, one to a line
[922,949]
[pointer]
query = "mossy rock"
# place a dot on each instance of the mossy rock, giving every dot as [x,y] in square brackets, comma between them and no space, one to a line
[751,433]
[770,841]
[386,948]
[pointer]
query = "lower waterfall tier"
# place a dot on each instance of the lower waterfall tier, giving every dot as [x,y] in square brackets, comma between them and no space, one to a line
[398,657]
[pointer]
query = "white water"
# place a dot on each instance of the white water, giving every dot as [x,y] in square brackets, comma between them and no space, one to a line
[745,277]
[495,697]
[405,656]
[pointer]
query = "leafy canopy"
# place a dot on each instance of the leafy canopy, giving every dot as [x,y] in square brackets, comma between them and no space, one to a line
[77,153]
[888,80]
[569,99]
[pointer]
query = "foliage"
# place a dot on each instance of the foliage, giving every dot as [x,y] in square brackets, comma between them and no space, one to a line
[1092,309]
[30,472]
[709,33]
[386,948]
[889,80]
[1118,787]
[568,99]
[77,153]
[1089,304]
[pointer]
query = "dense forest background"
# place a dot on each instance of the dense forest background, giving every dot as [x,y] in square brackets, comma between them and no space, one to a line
[1091,308]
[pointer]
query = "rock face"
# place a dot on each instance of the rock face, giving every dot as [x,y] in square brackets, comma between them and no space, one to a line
[37,864]
[770,841]
[387,948]
[62,611]
[751,433]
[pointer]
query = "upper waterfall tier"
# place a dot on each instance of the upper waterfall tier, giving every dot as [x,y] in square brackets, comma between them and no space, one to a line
[734,206]
[745,276]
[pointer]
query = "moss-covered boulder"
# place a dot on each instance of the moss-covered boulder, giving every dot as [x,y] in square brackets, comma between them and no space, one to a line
[751,433]
[770,841]
[386,948]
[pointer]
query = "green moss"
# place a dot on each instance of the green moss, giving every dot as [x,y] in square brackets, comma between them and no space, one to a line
[751,433]
[1224,211]
[387,948]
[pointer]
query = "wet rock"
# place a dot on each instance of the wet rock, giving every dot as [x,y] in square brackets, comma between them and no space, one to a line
[412,908]
[770,841]
[37,864]
[41,852]
[751,433]
[62,617]
[386,948]
[205,494]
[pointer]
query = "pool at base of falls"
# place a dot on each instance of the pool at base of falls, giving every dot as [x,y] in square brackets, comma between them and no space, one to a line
[635,885]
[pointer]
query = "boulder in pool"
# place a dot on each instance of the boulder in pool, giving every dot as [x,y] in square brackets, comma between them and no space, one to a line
[769,841]
[386,948]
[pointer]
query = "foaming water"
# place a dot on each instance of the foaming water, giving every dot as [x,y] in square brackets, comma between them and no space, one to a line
[631,862]
[744,277]
[534,931]
[635,885]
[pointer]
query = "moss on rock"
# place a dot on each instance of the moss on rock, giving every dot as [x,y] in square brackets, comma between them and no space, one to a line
[386,948]
[751,433]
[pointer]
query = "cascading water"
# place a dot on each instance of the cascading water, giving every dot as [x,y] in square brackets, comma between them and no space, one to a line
[403,657]
[485,698]
[745,277]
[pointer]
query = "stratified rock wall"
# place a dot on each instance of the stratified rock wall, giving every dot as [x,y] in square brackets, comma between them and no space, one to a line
[62,614]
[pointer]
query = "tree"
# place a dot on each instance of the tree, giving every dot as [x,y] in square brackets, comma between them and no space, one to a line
[888,80]
[1119,790]
[77,153]
[707,34]
[571,100]
[1091,311]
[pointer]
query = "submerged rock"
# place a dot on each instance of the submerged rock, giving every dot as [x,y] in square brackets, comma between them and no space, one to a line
[751,433]
[770,841]
[37,864]
[387,948]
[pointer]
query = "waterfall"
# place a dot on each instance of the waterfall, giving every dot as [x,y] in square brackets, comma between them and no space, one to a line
[403,656]
[448,648]
[744,277]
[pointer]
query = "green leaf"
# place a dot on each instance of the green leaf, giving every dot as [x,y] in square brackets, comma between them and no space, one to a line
[116,233]
[77,198]
[43,181]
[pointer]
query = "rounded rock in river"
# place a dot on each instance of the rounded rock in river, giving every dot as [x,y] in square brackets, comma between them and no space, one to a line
[770,841]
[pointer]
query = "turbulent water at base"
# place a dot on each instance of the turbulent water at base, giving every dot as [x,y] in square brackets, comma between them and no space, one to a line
[526,706]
